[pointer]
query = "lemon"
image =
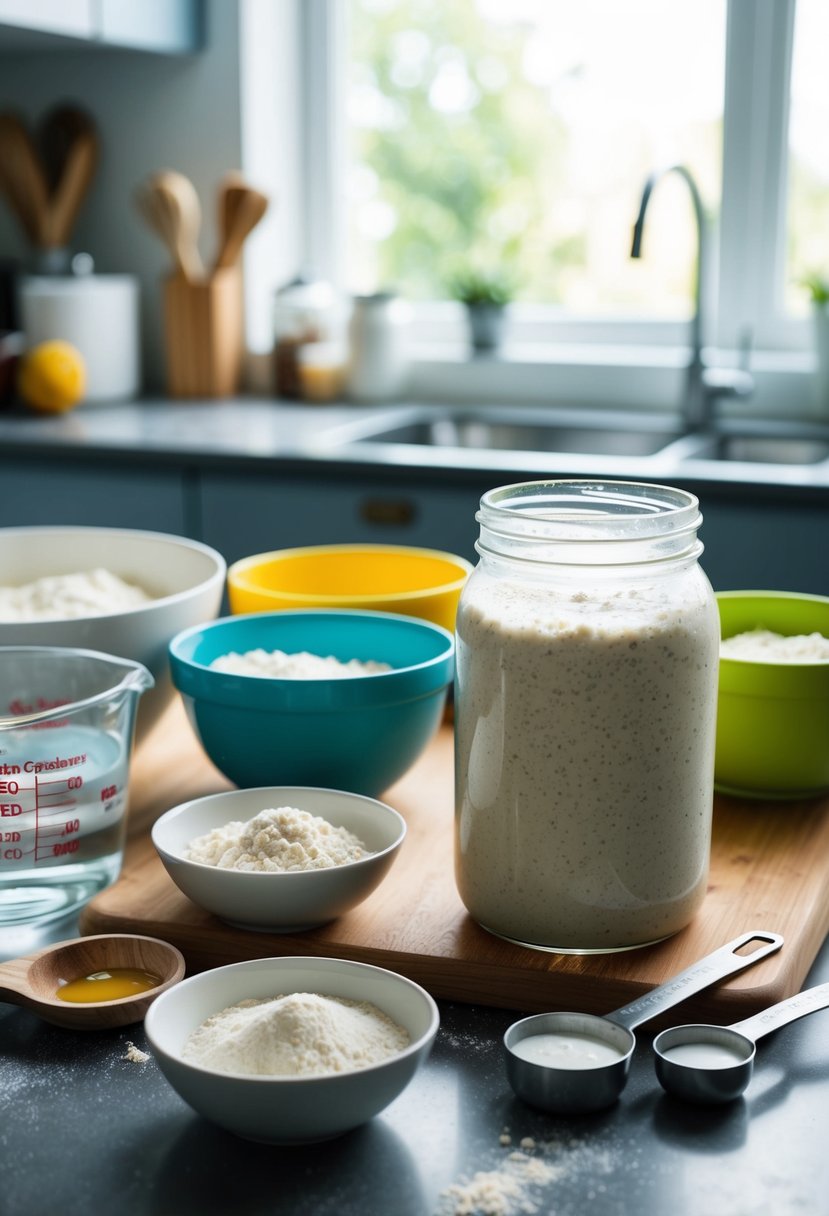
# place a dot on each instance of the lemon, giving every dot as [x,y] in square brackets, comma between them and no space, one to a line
[52,377]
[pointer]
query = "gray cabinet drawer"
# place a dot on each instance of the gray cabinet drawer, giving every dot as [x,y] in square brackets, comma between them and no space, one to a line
[765,547]
[73,492]
[242,515]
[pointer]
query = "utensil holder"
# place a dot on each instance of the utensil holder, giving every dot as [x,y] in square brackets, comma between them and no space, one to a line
[204,334]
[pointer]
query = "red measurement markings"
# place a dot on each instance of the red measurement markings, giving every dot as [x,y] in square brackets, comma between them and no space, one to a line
[55,829]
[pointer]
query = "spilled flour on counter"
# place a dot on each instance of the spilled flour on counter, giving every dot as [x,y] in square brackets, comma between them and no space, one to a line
[134,1054]
[277,839]
[502,1192]
[523,1181]
[302,1034]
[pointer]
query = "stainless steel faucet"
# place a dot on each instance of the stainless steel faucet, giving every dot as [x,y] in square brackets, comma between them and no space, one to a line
[703,384]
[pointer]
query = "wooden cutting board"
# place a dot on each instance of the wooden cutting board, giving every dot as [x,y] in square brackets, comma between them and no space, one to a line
[770,870]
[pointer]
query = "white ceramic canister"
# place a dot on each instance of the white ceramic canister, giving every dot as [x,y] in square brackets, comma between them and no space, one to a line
[378,348]
[99,315]
[585,712]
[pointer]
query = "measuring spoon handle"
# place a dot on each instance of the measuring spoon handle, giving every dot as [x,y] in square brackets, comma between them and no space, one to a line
[715,966]
[797,1006]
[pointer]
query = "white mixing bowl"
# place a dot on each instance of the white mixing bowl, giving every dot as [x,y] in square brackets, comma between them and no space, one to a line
[185,578]
[290,1109]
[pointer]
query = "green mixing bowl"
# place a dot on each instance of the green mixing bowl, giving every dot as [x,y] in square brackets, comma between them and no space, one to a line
[772,718]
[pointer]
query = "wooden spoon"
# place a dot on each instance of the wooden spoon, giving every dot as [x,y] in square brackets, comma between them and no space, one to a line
[178,201]
[22,177]
[242,208]
[33,981]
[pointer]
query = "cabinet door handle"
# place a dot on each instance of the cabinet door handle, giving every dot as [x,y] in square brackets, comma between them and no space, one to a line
[388,512]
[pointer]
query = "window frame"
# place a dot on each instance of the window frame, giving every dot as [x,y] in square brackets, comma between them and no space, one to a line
[747,249]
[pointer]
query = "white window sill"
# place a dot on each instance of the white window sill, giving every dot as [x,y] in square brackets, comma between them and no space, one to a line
[623,377]
[605,376]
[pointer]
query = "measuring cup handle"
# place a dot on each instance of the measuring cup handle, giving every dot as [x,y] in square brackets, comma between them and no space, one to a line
[797,1006]
[715,966]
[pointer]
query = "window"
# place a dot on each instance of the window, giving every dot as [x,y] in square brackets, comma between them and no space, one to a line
[510,136]
[808,196]
[522,131]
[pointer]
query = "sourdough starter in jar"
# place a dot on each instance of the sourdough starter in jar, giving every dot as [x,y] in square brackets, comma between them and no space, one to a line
[585,720]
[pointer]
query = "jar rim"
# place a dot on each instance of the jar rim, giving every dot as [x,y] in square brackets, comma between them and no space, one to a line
[644,498]
[618,522]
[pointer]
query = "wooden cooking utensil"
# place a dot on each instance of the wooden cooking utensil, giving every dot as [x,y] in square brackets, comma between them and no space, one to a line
[33,981]
[242,208]
[22,177]
[179,202]
[70,148]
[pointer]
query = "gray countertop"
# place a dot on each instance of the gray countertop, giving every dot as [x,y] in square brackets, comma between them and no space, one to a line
[83,1129]
[265,433]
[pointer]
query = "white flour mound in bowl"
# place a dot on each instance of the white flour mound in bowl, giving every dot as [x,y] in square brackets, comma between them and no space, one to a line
[300,666]
[299,1035]
[763,646]
[69,596]
[279,839]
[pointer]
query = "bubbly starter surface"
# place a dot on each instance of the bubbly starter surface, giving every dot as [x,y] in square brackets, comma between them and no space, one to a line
[584,758]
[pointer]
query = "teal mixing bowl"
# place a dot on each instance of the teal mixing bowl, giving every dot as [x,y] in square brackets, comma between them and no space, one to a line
[358,733]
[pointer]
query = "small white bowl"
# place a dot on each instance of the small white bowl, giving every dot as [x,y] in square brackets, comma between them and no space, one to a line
[290,1110]
[268,900]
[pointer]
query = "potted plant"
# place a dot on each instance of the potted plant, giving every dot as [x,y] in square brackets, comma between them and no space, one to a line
[485,295]
[818,288]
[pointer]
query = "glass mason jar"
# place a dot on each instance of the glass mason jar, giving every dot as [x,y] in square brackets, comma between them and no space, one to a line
[585,714]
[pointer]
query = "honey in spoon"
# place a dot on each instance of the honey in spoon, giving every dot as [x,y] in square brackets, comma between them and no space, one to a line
[109,985]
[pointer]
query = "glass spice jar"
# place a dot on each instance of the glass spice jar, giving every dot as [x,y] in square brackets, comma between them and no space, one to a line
[585,713]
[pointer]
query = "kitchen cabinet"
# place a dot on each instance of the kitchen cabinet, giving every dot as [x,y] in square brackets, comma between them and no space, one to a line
[153,25]
[71,18]
[90,494]
[163,26]
[243,514]
[764,545]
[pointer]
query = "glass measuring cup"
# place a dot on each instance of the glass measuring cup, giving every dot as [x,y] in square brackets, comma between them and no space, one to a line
[66,728]
[712,1064]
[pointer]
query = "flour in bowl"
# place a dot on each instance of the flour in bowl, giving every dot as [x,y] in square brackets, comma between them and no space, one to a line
[68,596]
[282,839]
[302,1034]
[763,646]
[300,666]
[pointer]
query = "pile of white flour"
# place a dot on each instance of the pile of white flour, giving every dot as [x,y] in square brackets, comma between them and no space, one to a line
[299,1035]
[67,596]
[763,646]
[300,666]
[282,838]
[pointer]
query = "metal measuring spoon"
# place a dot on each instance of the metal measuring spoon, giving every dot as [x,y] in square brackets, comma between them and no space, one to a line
[570,1063]
[707,1064]
[33,980]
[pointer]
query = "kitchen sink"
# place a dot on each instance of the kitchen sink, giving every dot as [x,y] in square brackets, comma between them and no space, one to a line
[524,435]
[589,432]
[762,449]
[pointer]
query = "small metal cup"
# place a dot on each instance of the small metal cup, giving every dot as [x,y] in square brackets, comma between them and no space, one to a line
[717,1083]
[569,1090]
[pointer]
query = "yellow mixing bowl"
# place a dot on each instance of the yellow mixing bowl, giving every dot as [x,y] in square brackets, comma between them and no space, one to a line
[384,578]
[772,718]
